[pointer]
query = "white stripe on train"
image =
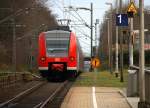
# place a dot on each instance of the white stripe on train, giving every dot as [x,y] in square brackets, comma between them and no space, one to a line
[71,68]
[43,68]
[68,68]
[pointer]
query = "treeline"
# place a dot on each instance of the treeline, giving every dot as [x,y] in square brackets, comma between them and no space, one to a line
[30,18]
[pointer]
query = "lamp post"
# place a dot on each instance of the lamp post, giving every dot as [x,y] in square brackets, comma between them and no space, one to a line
[97,22]
[116,51]
[108,40]
[141,57]
[110,37]
[130,41]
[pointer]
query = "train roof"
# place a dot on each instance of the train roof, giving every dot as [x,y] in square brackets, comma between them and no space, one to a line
[57,31]
[63,28]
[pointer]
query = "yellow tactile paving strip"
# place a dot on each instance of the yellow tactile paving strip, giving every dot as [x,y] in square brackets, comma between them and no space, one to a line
[107,97]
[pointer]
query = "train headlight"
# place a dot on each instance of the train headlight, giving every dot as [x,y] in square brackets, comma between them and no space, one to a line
[43,58]
[72,58]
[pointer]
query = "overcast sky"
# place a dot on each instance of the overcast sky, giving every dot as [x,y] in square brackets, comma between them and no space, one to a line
[99,8]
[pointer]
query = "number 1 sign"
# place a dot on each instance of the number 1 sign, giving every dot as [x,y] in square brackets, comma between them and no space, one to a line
[121,20]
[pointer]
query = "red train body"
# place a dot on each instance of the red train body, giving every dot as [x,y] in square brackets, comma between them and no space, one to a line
[60,54]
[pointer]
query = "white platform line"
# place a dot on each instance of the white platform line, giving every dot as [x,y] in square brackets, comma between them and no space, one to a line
[94,97]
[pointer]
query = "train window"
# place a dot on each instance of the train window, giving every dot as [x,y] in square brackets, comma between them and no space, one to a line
[57,44]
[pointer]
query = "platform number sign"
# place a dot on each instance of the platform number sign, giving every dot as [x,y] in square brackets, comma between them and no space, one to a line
[121,20]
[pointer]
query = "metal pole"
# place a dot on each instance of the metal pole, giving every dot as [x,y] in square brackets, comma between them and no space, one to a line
[116,69]
[108,39]
[14,46]
[111,18]
[14,64]
[95,38]
[91,32]
[121,57]
[31,55]
[130,41]
[121,48]
[141,57]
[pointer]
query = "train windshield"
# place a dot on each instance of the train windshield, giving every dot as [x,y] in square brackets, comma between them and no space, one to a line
[57,43]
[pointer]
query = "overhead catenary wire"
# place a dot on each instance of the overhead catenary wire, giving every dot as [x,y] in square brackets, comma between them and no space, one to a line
[82,32]
[68,12]
[78,29]
[61,9]
[84,42]
[75,16]
[83,20]
[88,48]
[80,20]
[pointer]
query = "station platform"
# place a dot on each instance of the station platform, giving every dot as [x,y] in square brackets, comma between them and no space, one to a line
[95,97]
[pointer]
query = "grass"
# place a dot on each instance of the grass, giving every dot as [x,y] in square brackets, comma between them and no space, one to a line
[100,79]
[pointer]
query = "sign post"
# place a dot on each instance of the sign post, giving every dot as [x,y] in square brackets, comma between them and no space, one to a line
[121,20]
[131,11]
[95,63]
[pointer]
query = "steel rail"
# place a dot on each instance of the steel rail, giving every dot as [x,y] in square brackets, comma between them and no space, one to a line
[50,98]
[12,73]
[22,94]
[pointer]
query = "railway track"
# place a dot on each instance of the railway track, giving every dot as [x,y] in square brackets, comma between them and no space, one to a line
[39,96]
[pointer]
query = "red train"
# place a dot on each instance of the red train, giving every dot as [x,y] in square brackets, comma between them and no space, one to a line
[60,54]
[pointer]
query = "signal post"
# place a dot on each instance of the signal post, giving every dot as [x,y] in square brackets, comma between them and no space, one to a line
[131,11]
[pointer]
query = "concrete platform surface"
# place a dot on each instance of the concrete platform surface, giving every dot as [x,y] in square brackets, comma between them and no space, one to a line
[94,97]
[133,101]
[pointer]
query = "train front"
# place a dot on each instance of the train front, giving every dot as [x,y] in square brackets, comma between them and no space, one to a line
[53,54]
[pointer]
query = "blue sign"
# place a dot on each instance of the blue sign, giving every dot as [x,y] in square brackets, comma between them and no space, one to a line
[121,20]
